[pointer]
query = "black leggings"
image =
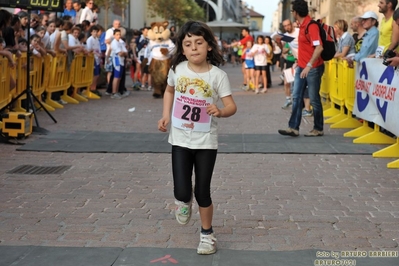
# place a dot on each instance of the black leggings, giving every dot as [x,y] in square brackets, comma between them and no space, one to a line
[183,161]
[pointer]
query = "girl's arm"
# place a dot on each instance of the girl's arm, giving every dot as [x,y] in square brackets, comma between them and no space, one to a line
[167,107]
[229,109]
[57,44]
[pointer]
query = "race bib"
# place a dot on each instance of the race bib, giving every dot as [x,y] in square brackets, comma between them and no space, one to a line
[189,113]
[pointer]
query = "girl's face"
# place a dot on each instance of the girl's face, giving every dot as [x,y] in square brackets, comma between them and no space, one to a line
[195,48]
[249,44]
[75,34]
[267,40]
[41,33]
[260,40]
[51,28]
[24,21]
[34,41]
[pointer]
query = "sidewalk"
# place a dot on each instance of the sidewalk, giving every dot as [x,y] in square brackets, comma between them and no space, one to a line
[263,202]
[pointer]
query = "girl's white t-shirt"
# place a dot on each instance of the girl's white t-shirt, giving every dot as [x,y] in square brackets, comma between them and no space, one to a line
[260,52]
[211,85]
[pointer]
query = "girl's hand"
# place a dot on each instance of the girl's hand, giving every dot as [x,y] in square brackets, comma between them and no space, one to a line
[213,110]
[163,124]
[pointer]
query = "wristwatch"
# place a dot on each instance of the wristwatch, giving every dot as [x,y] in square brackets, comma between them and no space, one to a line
[309,65]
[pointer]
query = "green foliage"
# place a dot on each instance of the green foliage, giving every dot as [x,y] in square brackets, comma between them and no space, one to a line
[177,11]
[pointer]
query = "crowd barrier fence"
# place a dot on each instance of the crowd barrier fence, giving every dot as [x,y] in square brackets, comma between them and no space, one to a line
[338,87]
[54,74]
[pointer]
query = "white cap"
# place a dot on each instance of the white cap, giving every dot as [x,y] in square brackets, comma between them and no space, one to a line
[369,14]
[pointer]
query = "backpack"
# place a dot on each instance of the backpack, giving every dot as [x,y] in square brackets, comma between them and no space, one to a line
[328,38]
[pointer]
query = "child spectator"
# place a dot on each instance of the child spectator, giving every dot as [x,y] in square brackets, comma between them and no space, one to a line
[249,66]
[35,47]
[93,45]
[118,54]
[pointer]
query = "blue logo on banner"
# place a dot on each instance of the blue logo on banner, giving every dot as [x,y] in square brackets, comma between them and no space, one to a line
[362,103]
[388,75]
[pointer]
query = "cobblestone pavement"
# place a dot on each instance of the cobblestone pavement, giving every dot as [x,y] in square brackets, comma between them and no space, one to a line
[262,201]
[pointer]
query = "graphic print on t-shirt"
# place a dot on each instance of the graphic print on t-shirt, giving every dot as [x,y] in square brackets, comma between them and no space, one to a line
[192,96]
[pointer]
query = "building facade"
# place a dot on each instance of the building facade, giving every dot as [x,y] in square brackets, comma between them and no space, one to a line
[331,10]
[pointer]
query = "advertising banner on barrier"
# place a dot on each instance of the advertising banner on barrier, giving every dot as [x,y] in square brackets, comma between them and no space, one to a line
[377,94]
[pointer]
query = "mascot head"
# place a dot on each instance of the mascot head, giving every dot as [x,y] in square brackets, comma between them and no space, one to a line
[159,31]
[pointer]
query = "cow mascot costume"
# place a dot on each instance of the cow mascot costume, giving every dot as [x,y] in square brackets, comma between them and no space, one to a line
[159,52]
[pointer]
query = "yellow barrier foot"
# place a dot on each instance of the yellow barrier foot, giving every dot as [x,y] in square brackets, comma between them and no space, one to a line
[69,99]
[335,119]
[18,107]
[53,103]
[360,131]
[331,112]
[375,137]
[80,98]
[394,164]
[48,107]
[388,152]
[348,122]
[91,95]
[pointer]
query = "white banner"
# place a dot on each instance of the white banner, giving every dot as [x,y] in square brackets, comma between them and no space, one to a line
[377,94]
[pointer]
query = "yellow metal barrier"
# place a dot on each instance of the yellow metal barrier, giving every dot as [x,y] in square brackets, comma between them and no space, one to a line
[82,76]
[21,82]
[388,152]
[38,79]
[325,87]
[5,96]
[59,81]
[394,164]
[332,88]
[337,92]
[348,80]
[364,129]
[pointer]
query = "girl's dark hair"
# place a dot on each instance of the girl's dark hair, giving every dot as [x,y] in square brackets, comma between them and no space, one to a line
[34,36]
[301,7]
[67,25]
[5,18]
[81,36]
[270,41]
[196,28]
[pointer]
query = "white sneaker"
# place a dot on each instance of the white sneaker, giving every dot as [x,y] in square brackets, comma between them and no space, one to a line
[116,96]
[183,212]
[207,244]
[126,93]
[61,101]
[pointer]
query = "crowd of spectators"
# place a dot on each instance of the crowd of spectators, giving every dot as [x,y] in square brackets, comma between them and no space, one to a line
[75,31]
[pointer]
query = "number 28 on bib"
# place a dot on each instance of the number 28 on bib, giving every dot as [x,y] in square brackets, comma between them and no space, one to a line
[189,113]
